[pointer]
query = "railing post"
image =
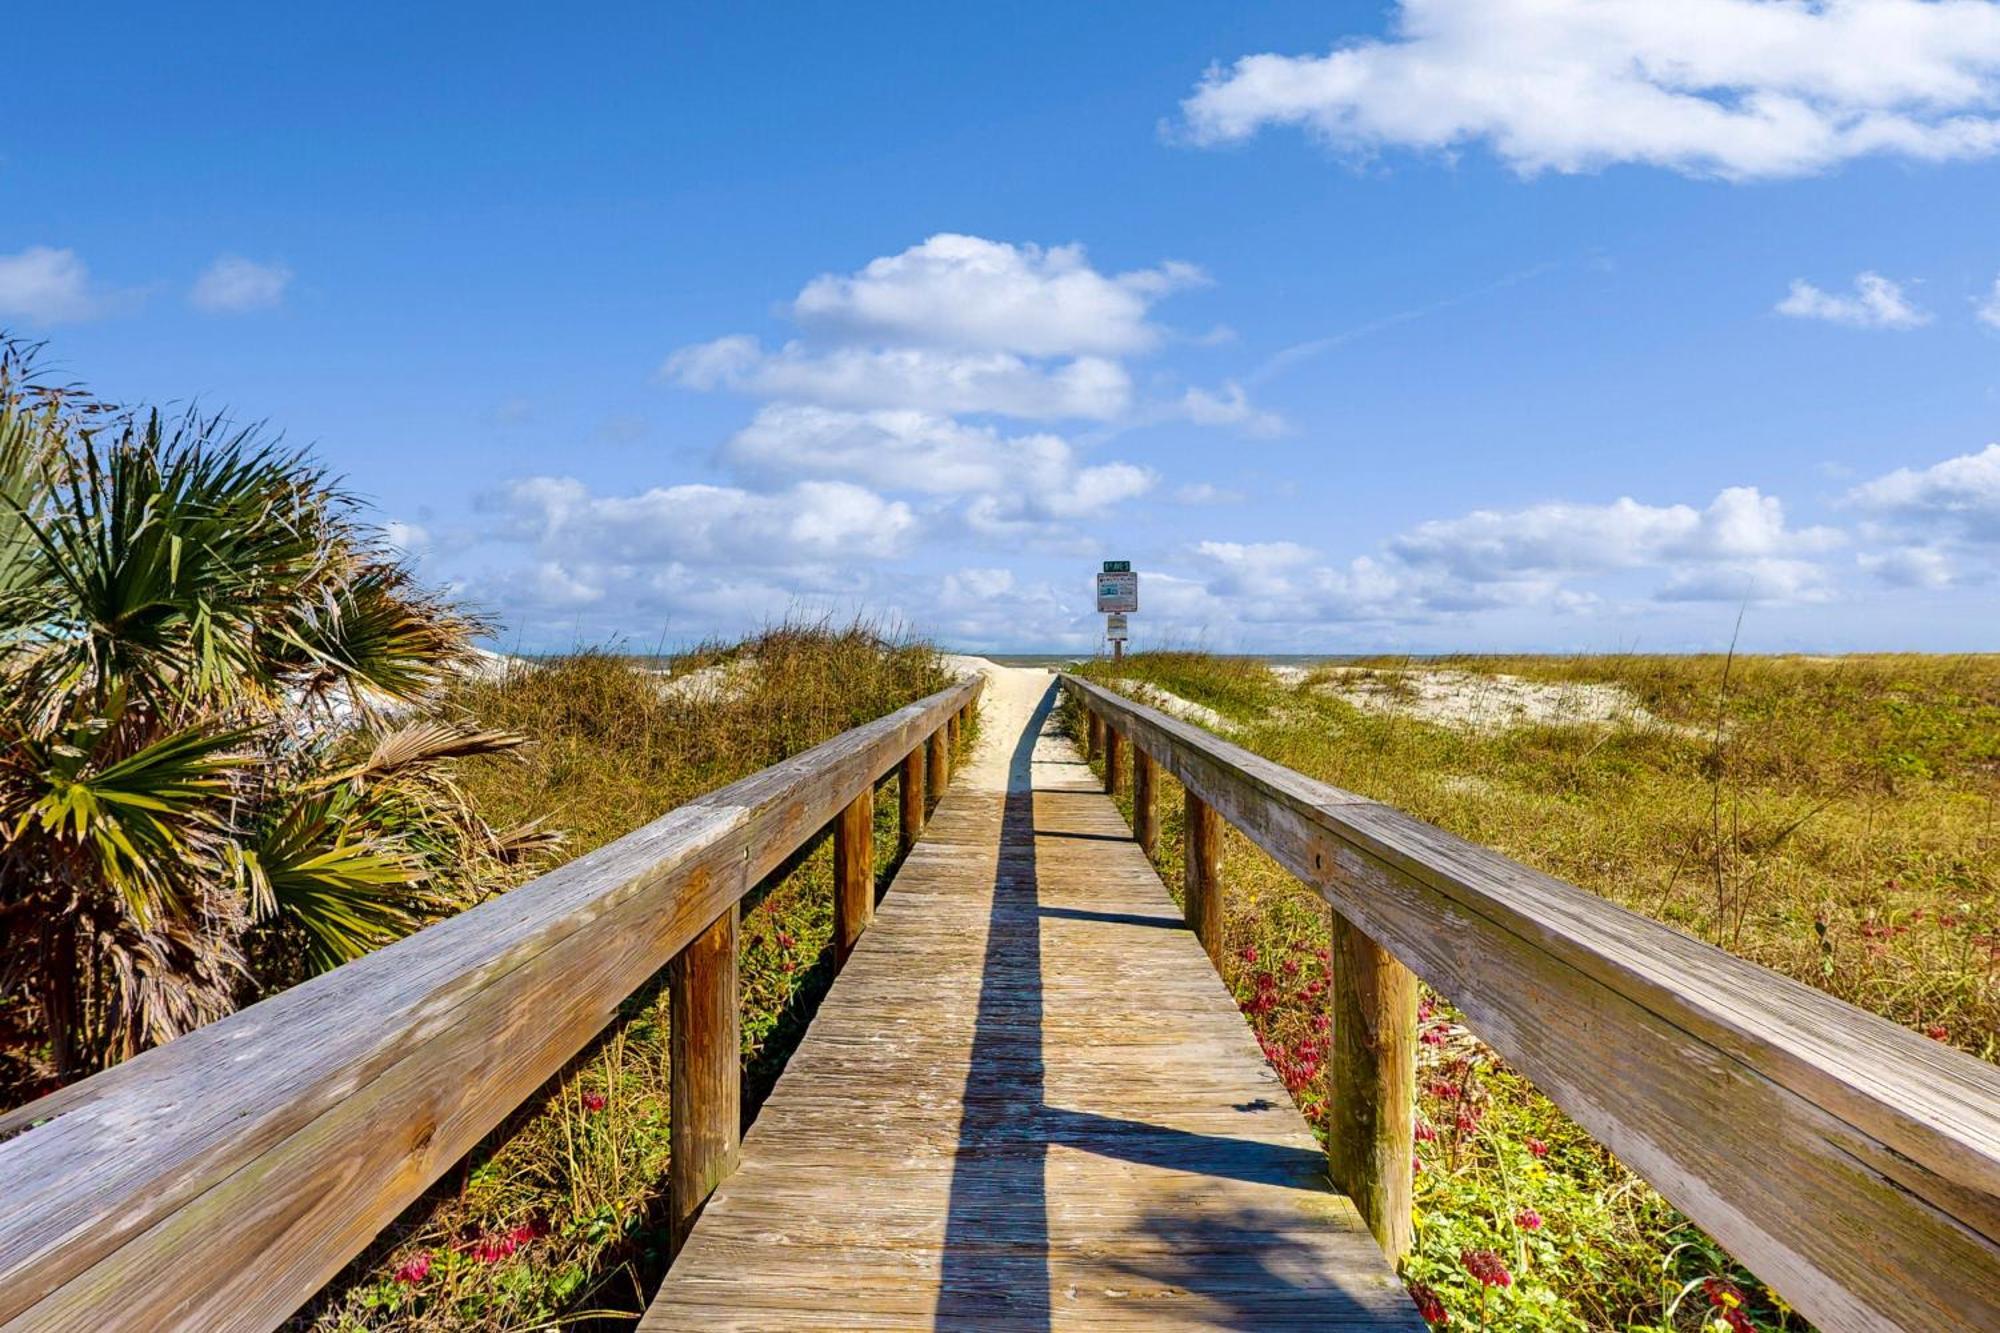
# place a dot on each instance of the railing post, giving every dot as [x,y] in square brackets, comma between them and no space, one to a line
[1114,759]
[938,766]
[1372,1070]
[1145,821]
[853,874]
[705,1072]
[1093,743]
[910,799]
[1201,882]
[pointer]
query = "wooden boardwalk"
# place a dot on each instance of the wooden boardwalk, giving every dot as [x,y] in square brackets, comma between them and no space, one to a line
[1027,1102]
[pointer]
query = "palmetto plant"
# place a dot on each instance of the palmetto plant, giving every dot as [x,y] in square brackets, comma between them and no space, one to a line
[204,790]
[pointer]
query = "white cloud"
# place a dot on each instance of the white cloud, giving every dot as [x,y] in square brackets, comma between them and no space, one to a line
[1566,539]
[814,521]
[1910,567]
[1770,580]
[406,539]
[1959,497]
[1015,478]
[973,294]
[233,285]
[920,378]
[962,324]
[1231,407]
[1987,308]
[1740,89]
[1877,303]
[45,285]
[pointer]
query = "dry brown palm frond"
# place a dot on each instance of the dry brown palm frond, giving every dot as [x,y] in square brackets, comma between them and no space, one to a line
[420,743]
[525,841]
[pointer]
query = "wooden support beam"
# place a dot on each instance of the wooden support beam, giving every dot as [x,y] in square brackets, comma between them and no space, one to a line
[1372,1070]
[705,1072]
[1201,881]
[1145,819]
[1114,759]
[952,735]
[853,874]
[1093,735]
[910,798]
[938,765]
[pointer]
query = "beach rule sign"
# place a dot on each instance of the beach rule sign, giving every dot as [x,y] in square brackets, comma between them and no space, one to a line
[1118,588]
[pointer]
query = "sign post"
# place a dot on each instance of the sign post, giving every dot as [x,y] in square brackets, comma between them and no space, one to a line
[1117,597]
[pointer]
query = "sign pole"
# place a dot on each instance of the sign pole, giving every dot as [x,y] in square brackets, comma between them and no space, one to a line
[1117,596]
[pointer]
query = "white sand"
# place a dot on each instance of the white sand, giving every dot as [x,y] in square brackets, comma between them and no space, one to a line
[1478,701]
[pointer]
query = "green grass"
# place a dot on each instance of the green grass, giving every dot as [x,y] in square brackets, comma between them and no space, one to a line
[557,1218]
[1831,819]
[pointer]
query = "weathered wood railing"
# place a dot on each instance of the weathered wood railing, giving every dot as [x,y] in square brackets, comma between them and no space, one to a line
[1850,1163]
[219,1181]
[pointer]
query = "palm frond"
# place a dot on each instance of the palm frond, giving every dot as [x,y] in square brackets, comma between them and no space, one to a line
[420,743]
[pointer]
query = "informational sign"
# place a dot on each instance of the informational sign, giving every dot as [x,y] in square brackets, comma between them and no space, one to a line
[1118,591]
[1118,566]
[1114,627]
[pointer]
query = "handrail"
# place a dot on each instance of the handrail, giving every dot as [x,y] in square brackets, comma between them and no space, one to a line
[218,1181]
[1852,1164]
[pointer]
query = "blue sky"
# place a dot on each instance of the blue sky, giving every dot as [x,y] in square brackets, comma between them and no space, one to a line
[1526,325]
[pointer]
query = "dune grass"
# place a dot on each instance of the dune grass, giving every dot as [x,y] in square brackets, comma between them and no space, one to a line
[557,1218]
[1832,819]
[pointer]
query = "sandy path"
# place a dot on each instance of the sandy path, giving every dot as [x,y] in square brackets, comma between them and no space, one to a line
[1006,709]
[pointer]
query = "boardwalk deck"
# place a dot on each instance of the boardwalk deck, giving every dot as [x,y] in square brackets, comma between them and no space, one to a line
[1028,1101]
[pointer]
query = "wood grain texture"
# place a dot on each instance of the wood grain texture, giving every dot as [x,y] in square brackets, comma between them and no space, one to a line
[1850,1163]
[937,765]
[1201,884]
[1145,813]
[705,1072]
[1372,1073]
[220,1180]
[910,806]
[1028,1103]
[853,874]
[1114,760]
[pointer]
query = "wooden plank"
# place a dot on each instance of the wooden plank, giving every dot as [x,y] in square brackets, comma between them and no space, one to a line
[1372,1071]
[1850,1163]
[937,766]
[1201,883]
[220,1180]
[705,1072]
[853,874]
[910,807]
[1145,816]
[1114,760]
[1027,1101]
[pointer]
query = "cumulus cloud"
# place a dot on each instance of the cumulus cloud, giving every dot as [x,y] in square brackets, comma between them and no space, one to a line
[233,285]
[1560,538]
[814,521]
[921,378]
[1877,303]
[1741,89]
[1909,567]
[1551,559]
[970,293]
[44,285]
[962,324]
[1032,475]
[1957,498]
